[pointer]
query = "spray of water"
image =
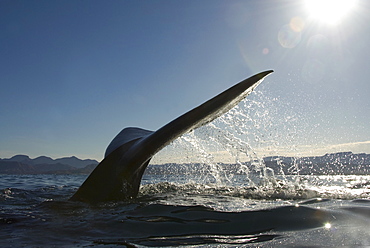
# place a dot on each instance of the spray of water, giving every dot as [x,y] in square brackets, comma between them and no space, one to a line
[228,155]
[227,149]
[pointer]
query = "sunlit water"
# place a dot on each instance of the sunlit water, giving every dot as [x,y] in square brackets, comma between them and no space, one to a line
[206,206]
[180,210]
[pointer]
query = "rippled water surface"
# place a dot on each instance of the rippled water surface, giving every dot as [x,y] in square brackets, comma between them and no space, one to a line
[182,211]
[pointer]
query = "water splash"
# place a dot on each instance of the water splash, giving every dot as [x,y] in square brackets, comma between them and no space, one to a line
[231,152]
[225,147]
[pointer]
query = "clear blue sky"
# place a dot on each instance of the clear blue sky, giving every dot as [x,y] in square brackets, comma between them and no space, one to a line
[74,73]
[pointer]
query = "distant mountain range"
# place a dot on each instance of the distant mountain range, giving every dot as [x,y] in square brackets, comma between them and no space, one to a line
[342,163]
[22,164]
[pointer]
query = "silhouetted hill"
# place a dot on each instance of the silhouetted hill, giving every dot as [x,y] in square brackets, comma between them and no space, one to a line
[22,164]
[15,167]
[342,163]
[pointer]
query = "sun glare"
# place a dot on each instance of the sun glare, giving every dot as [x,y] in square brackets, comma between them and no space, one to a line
[329,11]
[327,225]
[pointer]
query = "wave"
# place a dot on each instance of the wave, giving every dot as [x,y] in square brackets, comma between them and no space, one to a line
[268,192]
[190,214]
[160,225]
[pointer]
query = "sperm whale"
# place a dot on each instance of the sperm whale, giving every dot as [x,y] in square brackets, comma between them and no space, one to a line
[118,176]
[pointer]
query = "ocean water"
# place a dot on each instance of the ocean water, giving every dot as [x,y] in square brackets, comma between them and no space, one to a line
[188,211]
[202,207]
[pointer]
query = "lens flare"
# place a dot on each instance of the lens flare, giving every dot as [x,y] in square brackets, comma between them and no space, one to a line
[288,38]
[297,24]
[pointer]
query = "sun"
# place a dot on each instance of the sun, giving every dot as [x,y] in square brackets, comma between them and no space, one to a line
[329,11]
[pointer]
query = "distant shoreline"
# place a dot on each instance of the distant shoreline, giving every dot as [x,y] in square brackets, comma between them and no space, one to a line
[342,163]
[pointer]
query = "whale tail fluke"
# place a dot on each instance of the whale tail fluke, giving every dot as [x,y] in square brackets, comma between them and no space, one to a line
[119,175]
